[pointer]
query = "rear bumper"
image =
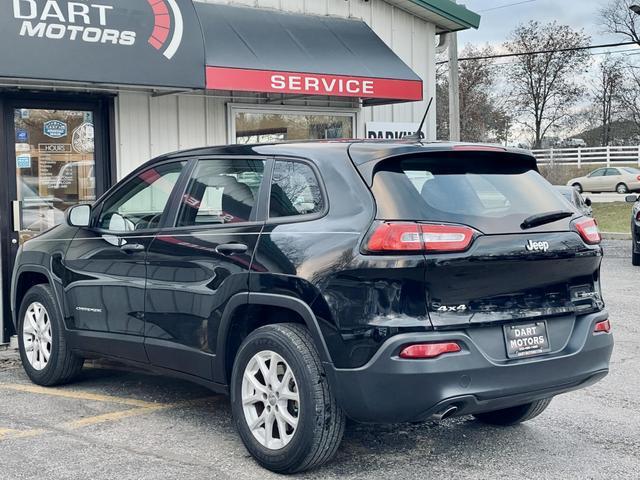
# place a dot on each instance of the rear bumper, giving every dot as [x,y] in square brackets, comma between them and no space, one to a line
[390,389]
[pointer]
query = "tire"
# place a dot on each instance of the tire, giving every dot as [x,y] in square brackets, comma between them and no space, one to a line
[62,365]
[622,188]
[635,258]
[320,420]
[578,187]
[514,415]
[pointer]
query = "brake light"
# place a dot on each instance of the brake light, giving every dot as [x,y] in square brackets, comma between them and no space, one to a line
[477,148]
[638,178]
[588,230]
[638,216]
[429,350]
[414,237]
[603,327]
[446,238]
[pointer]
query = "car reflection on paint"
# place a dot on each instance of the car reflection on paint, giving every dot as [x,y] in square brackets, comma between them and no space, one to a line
[581,204]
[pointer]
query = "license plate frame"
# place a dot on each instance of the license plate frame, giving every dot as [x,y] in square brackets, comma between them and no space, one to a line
[525,340]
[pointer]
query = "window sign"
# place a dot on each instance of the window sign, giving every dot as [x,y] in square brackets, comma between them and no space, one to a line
[55,129]
[23,161]
[22,136]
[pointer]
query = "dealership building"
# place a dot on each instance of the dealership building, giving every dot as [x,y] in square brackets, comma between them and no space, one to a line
[91,90]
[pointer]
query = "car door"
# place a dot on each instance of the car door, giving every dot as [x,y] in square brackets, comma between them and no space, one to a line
[105,265]
[595,181]
[613,177]
[201,262]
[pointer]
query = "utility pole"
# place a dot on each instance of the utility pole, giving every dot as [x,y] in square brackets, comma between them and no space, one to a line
[454,89]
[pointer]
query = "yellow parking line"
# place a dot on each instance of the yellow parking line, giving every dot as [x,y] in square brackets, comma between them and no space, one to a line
[6,434]
[78,395]
[110,417]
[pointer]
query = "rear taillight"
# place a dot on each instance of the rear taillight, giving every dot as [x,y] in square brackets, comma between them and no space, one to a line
[429,350]
[588,230]
[602,327]
[638,178]
[638,216]
[403,237]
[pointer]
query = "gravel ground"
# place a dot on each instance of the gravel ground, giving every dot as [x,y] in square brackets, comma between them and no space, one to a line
[183,431]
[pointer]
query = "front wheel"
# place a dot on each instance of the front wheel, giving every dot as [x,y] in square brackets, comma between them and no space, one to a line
[283,406]
[514,415]
[44,352]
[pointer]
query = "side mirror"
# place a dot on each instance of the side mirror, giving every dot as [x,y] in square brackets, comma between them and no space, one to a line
[79,215]
[587,202]
[631,198]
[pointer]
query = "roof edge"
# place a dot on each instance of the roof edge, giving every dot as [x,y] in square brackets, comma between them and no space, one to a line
[452,11]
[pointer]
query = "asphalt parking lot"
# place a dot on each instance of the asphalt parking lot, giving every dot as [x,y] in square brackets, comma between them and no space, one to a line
[118,424]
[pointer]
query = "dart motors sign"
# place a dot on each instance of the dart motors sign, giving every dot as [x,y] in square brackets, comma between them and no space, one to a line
[139,42]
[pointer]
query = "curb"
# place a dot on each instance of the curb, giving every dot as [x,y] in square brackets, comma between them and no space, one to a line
[616,236]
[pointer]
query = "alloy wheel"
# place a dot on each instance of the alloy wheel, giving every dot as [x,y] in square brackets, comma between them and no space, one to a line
[270,400]
[36,335]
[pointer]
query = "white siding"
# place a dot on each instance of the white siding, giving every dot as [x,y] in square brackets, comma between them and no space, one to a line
[148,126]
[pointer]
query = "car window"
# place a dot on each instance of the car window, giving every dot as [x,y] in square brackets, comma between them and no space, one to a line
[612,172]
[139,204]
[221,191]
[598,173]
[491,195]
[295,190]
[632,171]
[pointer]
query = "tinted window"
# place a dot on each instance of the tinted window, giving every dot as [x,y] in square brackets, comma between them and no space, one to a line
[139,204]
[598,173]
[632,171]
[294,190]
[492,197]
[612,171]
[221,191]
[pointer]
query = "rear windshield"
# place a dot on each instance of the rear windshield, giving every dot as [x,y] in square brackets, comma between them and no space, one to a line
[494,196]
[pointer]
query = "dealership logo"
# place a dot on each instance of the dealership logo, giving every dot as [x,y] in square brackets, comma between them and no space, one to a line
[55,129]
[92,23]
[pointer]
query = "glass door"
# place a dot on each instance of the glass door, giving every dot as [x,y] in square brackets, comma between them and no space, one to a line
[55,166]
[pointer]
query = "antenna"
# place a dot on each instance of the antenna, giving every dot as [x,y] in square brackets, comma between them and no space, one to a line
[416,136]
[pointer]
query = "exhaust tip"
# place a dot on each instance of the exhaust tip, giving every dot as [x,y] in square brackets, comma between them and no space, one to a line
[445,413]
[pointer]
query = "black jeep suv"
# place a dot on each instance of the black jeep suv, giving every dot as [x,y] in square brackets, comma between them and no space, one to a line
[386,282]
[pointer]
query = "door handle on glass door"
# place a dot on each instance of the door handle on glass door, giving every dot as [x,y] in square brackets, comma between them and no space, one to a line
[17,224]
[231,248]
[132,247]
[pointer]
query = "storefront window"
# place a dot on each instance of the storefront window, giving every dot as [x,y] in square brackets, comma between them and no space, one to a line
[55,165]
[263,127]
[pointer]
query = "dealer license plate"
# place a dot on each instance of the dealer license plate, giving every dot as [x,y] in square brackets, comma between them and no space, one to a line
[526,340]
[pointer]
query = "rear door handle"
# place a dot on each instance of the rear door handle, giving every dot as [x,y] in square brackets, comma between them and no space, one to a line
[132,247]
[232,248]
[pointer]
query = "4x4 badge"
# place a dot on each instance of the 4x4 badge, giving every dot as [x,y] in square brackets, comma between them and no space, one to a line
[532,246]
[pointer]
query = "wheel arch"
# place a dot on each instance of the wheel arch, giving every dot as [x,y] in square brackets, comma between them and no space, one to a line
[24,278]
[239,310]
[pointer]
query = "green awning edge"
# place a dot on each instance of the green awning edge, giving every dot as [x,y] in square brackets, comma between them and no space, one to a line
[451,11]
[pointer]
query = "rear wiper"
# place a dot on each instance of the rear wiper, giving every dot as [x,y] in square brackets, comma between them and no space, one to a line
[543,218]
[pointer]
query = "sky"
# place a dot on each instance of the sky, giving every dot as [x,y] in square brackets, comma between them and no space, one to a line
[496,24]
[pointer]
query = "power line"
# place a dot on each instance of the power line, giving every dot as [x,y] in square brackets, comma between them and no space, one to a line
[542,52]
[506,6]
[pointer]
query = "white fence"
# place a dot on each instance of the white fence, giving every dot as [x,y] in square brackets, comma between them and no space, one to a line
[588,156]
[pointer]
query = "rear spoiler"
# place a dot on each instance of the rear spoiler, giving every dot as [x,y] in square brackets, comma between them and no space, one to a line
[472,158]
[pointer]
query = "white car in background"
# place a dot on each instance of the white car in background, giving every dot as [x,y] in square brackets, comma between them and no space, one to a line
[608,179]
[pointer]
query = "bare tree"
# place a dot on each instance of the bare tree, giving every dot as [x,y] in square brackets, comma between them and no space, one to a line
[630,96]
[544,86]
[483,116]
[608,95]
[617,17]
